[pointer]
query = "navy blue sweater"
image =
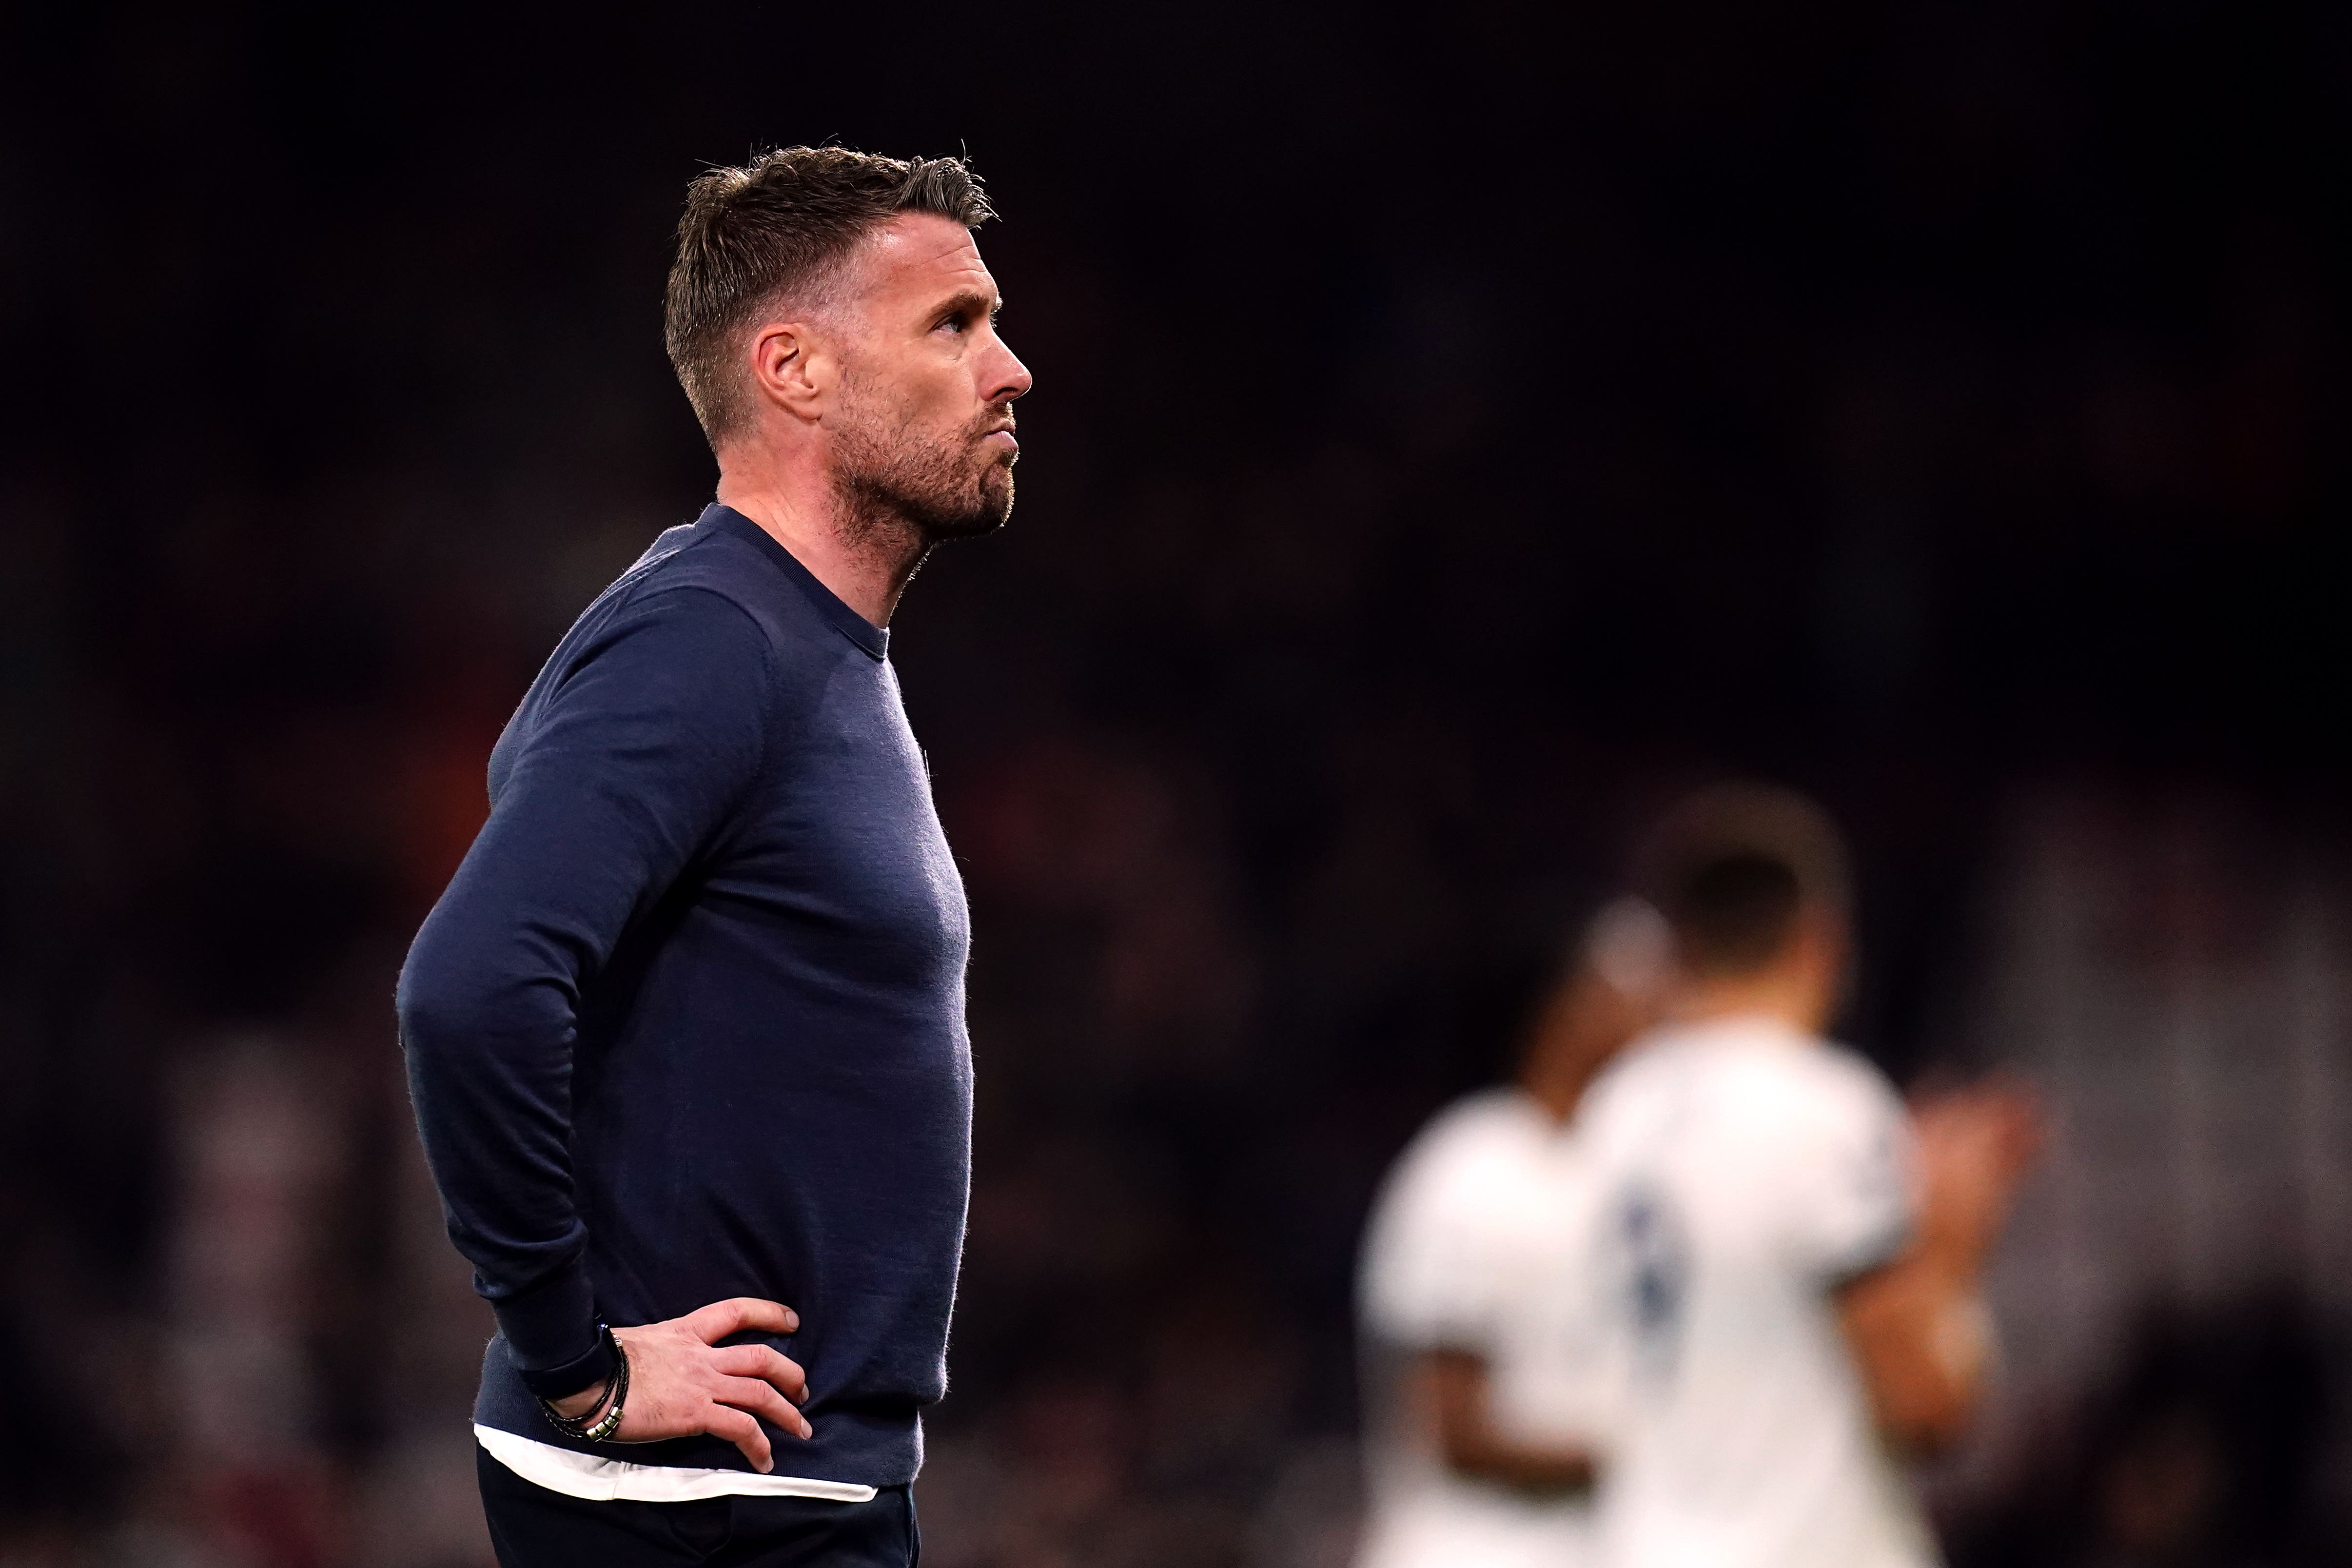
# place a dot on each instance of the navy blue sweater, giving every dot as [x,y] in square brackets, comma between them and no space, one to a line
[688,1023]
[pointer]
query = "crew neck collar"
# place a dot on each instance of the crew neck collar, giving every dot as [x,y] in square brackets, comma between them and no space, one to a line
[874,640]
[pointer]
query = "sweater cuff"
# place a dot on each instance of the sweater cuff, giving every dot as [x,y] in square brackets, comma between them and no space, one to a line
[576,1376]
[553,1336]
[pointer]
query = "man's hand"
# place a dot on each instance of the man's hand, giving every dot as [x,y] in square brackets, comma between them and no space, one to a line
[684,1384]
[1975,1145]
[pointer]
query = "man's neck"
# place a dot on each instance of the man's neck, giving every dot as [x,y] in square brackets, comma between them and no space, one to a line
[1554,1091]
[866,563]
[1795,999]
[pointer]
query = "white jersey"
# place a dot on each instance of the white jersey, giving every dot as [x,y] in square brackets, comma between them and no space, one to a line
[1476,1245]
[1748,1171]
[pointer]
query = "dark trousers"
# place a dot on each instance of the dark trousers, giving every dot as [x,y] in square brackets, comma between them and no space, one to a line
[534,1528]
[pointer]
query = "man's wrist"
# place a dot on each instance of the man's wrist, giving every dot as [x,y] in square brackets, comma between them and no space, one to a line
[594,1413]
[589,1401]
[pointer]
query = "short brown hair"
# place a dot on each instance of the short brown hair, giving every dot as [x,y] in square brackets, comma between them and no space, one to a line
[1730,867]
[776,226]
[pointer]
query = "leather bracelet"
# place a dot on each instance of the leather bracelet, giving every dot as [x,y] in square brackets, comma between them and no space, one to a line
[591,1427]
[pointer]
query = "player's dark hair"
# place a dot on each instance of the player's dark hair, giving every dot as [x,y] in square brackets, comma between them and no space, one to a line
[778,227]
[1731,869]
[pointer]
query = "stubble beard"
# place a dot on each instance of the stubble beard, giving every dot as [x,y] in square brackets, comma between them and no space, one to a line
[902,492]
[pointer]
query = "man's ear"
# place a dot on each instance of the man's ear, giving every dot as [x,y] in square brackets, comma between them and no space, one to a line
[793,368]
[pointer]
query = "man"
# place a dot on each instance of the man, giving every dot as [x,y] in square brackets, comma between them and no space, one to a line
[1487,1393]
[1794,1270]
[685,1033]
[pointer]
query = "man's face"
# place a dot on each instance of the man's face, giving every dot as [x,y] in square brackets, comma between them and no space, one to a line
[923,425]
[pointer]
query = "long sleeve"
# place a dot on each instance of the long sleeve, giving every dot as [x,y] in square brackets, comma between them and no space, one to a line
[641,745]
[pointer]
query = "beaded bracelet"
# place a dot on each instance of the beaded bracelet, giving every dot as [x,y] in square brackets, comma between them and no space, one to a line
[591,1427]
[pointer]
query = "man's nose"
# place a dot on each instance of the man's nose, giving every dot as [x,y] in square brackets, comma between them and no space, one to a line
[1012,379]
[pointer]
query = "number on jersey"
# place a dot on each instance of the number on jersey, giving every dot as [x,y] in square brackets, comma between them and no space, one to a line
[1657,1254]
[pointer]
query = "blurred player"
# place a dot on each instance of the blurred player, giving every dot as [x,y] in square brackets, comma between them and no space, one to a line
[1793,1259]
[1485,1388]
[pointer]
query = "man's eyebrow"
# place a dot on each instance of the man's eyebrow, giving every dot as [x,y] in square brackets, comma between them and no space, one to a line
[971,302]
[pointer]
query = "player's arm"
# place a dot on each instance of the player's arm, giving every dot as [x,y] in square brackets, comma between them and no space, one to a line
[1454,1385]
[1917,1326]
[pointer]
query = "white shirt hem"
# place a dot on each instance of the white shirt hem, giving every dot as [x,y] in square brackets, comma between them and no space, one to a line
[611,1480]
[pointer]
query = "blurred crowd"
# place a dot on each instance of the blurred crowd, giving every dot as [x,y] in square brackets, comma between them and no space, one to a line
[1435,463]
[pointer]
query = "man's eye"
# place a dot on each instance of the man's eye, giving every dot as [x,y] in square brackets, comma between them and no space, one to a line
[953,324]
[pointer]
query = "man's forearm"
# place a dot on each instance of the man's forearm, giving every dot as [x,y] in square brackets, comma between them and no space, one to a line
[489,1054]
[1915,1327]
[1919,1329]
[1473,1447]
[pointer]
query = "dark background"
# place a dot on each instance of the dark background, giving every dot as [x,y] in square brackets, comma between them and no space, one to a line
[1454,432]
